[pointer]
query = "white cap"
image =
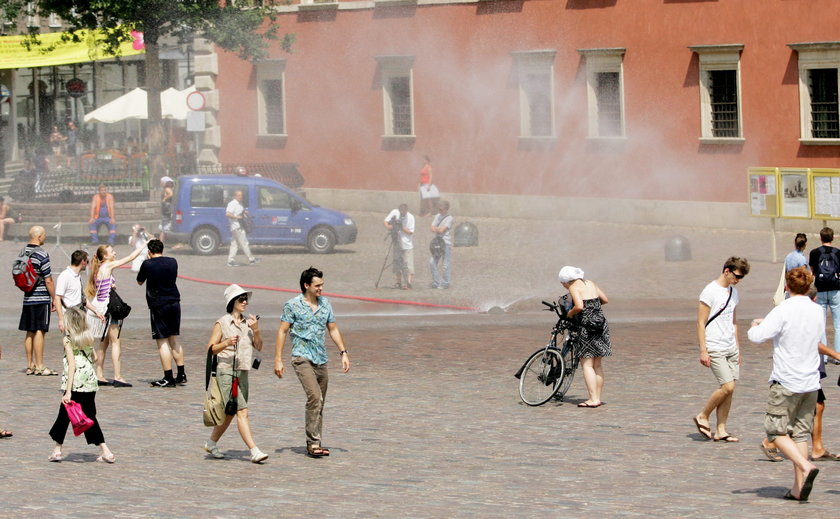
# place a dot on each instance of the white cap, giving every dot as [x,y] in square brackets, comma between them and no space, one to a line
[568,274]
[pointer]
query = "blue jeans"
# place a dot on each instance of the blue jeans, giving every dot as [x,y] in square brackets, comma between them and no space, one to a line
[831,300]
[94,227]
[447,268]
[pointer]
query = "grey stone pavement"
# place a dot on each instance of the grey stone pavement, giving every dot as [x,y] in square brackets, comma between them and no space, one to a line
[428,423]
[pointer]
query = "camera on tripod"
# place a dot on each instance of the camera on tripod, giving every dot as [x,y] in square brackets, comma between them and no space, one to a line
[396,227]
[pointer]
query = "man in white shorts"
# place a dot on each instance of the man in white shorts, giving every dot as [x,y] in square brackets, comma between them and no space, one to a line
[68,288]
[717,334]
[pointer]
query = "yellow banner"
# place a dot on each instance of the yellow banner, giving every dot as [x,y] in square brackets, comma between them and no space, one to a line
[14,55]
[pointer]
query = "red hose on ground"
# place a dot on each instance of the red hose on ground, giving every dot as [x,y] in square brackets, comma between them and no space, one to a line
[338,296]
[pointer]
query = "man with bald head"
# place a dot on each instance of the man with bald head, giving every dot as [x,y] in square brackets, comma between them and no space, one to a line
[37,304]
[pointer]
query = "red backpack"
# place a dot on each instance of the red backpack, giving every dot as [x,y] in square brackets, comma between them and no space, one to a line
[23,271]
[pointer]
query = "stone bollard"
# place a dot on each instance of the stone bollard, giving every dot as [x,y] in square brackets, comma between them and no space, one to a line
[677,248]
[466,235]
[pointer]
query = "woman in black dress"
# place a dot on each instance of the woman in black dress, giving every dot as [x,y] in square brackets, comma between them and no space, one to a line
[594,336]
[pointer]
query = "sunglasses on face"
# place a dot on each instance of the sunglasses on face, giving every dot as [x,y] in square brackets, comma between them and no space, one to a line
[737,276]
[244,299]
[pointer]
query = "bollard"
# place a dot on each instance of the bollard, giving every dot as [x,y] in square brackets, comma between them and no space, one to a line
[677,248]
[466,235]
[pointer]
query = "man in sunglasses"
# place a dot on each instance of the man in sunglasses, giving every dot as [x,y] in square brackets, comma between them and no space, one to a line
[717,333]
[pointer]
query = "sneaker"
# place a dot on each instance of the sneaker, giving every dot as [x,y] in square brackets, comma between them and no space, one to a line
[182,380]
[259,457]
[214,451]
[164,383]
[255,260]
[232,264]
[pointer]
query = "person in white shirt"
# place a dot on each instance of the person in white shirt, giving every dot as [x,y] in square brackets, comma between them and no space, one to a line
[795,326]
[68,288]
[717,333]
[401,222]
[235,212]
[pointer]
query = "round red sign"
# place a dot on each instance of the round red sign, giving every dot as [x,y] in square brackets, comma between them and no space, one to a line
[76,87]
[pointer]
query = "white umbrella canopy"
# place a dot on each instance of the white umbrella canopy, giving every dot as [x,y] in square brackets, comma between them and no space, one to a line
[134,105]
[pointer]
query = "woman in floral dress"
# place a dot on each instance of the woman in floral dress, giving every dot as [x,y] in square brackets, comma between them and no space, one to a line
[594,335]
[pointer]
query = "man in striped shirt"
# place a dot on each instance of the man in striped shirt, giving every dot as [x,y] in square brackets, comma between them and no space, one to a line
[37,305]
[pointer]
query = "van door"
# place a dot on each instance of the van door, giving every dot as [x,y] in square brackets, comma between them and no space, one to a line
[279,217]
[208,203]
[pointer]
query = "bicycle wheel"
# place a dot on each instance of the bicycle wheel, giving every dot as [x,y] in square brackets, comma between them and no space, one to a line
[541,376]
[570,364]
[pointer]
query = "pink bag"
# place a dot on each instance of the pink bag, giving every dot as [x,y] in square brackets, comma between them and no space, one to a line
[80,421]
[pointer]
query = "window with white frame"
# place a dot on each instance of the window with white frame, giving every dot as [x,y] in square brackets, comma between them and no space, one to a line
[605,91]
[395,75]
[819,71]
[32,18]
[271,98]
[720,92]
[535,72]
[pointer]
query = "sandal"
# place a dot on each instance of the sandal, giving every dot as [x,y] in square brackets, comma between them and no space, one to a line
[772,453]
[56,457]
[315,451]
[30,370]
[5,434]
[107,459]
[46,372]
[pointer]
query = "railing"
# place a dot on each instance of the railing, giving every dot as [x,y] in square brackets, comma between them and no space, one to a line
[73,185]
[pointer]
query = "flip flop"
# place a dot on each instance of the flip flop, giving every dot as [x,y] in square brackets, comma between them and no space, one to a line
[772,453]
[808,484]
[316,452]
[5,434]
[727,439]
[590,406]
[790,496]
[56,457]
[826,456]
[703,429]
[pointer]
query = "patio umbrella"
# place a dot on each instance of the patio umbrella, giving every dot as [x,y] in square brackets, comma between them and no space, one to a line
[134,105]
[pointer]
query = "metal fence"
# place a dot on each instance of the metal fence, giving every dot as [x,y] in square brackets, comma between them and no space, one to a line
[73,185]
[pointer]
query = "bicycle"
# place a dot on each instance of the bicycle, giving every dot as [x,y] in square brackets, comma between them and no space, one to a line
[549,371]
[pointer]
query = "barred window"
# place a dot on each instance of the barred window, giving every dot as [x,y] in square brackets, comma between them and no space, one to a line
[608,97]
[399,94]
[825,116]
[271,98]
[723,94]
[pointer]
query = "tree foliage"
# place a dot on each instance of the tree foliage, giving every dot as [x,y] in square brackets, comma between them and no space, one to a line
[247,31]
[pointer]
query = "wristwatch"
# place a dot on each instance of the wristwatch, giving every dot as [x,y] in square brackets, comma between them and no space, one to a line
[342,352]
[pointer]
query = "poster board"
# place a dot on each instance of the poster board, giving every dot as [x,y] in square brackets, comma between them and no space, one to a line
[825,193]
[794,190]
[763,191]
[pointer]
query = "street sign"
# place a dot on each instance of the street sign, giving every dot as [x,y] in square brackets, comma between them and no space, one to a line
[196,101]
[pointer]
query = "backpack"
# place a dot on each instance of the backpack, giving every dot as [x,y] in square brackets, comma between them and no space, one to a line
[437,246]
[23,271]
[827,269]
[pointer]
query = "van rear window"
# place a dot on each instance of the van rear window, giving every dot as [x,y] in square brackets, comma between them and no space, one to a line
[216,195]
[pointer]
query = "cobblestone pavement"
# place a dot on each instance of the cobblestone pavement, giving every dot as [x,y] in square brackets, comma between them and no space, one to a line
[428,423]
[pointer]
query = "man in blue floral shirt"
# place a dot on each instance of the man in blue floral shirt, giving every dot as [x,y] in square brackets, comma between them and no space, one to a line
[308,318]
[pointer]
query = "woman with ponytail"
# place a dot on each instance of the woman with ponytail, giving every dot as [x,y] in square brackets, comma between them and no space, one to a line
[98,292]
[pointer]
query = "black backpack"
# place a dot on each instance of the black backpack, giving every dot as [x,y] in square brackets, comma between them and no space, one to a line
[828,269]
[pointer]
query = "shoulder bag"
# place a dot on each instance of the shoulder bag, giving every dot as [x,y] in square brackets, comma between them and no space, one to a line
[214,406]
[117,308]
[722,308]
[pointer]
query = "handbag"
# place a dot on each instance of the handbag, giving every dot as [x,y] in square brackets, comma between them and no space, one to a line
[78,418]
[779,296]
[117,308]
[214,407]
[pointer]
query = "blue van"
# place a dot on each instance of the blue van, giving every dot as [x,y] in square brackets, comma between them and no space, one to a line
[280,216]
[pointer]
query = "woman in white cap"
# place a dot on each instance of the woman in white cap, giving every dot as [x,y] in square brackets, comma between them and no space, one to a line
[232,341]
[594,336]
[167,186]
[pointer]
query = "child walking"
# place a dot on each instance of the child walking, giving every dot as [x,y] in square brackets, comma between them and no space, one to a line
[79,385]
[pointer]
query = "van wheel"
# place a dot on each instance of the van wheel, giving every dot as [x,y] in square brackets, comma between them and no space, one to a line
[321,241]
[205,241]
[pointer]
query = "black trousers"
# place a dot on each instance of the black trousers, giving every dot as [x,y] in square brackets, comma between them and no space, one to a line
[88,402]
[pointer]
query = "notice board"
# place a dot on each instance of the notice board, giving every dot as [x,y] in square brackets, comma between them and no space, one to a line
[764,197]
[825,193]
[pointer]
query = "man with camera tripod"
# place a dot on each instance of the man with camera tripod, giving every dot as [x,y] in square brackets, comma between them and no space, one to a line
[400,224]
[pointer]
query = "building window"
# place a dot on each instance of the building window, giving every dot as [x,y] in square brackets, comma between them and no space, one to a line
[271,98]
[55,21]
[720,89]
[819,71]
[822,83]
[32,18]
[605,92]
[395,74]
[535,71]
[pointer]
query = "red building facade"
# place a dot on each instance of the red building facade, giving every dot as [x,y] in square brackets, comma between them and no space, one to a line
[624,99]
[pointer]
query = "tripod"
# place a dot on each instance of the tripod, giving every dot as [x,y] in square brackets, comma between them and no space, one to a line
[397,261]
[58,246]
